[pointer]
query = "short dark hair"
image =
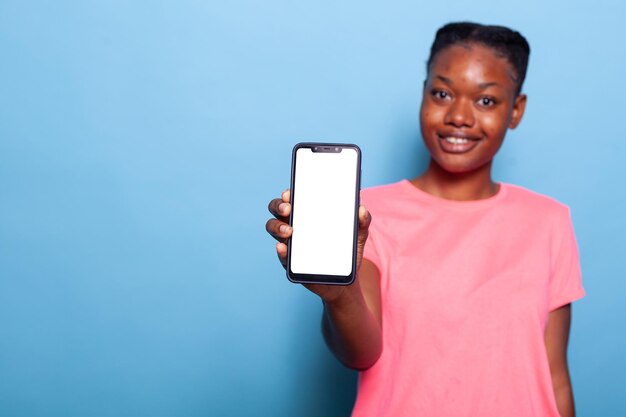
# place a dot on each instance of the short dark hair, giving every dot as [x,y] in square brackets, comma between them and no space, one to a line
[506,42]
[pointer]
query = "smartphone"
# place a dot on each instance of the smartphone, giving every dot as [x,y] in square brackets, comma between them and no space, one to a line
[325,186]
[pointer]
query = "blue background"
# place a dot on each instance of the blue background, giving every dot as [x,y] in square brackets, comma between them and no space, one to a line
[140,143]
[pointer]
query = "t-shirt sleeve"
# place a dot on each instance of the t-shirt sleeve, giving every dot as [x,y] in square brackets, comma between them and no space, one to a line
[565,283]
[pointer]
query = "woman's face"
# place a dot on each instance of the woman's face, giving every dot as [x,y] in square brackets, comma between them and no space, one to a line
[469,102]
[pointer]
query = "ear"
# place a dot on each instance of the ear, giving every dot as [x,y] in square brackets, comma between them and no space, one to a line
[518,110]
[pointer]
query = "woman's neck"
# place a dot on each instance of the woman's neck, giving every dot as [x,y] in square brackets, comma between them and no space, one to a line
[475,185]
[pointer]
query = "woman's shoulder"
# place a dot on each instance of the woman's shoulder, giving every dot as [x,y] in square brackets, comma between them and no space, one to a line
[513,199]
[383,190]
[540,204]
[381,195]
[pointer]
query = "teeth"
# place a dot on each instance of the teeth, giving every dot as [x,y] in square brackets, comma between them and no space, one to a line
[456,140]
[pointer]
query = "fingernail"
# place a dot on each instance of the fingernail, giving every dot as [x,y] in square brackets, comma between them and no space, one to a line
[282,207]
[284,228]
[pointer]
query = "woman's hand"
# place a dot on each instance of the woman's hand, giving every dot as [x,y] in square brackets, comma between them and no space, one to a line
[352,318]
[280,230]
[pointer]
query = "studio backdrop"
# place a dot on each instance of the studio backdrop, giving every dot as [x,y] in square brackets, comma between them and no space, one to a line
[140,143]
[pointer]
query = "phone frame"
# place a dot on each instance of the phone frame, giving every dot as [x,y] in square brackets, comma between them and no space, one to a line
[316,278]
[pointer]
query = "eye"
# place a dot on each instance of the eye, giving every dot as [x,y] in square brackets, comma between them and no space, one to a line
[486,102]
[440,95]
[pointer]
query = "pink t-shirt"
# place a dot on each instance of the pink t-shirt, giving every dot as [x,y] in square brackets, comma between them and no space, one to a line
[466,291]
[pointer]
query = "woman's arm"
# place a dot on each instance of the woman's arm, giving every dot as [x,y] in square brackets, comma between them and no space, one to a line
[557,335]
[352,323]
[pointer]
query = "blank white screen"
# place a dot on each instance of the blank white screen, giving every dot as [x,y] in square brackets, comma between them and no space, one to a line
[323,212]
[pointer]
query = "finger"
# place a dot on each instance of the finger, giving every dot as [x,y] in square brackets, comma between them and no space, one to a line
[286,196]
[284,209]
[281,251]
[279,209]
[279,230]
[365,218]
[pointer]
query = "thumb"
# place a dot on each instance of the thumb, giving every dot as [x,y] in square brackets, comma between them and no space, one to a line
[365,218]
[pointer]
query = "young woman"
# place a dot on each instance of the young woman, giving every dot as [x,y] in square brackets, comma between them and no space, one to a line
[462,302]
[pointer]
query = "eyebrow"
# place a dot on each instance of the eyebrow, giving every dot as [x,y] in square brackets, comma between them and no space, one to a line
[482,86]
[444,79]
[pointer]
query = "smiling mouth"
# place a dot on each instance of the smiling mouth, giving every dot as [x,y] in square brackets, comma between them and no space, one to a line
[457,144]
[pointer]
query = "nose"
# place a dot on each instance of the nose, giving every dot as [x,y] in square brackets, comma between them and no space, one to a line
[460,113]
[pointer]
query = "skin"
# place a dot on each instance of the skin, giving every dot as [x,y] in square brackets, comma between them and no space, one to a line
[352,319]
[470,95]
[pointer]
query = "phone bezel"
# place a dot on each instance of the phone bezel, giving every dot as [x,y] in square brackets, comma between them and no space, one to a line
[316,278]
